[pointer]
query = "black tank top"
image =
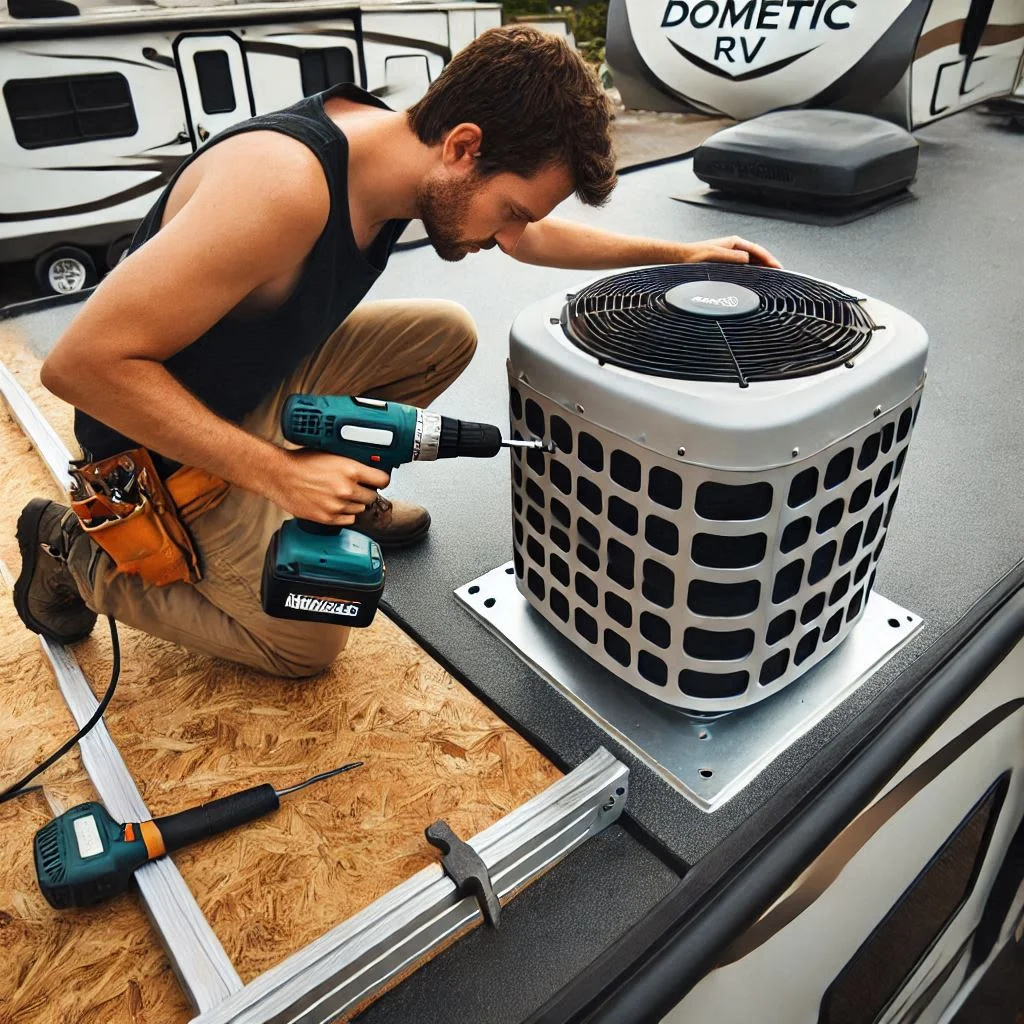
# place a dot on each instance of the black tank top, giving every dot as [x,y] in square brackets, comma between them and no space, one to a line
[238,362]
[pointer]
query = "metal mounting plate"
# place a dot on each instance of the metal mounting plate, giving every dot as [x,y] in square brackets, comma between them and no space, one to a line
[707,758]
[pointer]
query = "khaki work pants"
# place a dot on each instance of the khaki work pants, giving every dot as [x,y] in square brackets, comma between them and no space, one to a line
[406,351]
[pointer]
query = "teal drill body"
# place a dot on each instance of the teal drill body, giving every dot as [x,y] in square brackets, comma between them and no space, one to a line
[84,856]
[376,433]
[328,574]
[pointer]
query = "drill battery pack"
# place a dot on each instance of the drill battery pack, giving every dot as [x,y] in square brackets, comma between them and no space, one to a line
[322,575]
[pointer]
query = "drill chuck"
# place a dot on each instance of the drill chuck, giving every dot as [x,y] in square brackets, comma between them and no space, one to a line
[442,437]
[464,438]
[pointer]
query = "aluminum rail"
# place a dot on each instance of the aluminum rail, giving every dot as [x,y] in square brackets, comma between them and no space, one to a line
[53,451]
[348,966]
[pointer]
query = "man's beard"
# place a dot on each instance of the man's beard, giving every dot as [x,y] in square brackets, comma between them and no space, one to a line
[442,205]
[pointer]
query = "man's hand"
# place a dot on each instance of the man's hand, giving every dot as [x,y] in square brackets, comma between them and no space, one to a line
[325,488]
[729,250]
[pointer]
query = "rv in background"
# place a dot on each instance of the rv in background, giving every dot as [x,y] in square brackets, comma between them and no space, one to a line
[909,61]
[102,101]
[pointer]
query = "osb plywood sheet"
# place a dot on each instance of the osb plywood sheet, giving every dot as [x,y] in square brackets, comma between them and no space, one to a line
[191,729]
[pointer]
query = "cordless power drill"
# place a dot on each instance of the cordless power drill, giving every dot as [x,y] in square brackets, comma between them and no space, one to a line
[321,573]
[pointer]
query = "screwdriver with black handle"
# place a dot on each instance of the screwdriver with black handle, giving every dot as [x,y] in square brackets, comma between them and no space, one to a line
[84,856]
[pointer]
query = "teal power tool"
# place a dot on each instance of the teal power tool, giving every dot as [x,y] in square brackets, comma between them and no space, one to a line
[84,856]
[333,574]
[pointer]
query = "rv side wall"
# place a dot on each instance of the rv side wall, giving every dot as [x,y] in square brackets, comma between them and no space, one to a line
[60,177]
[884,924]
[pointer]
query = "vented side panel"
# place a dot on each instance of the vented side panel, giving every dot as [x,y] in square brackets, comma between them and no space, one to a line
[706,589]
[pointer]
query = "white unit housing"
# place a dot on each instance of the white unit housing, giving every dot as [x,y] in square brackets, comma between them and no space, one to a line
[729,443]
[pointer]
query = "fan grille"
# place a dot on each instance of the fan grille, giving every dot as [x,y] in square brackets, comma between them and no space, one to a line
[801,326]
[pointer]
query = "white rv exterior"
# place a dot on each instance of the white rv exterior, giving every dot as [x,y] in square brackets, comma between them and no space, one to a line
[945,79]
[898,919]
[912,61]
[98,108]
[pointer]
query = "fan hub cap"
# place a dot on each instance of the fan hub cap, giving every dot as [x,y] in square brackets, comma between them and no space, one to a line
[717,299]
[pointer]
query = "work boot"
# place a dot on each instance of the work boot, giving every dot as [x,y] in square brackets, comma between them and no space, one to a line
[45,594]
[393,524]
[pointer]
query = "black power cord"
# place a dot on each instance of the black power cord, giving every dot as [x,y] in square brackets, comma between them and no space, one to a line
[19,787]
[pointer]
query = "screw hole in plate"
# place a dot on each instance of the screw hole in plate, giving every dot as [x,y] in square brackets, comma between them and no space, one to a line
[895,623]
[703,735]
[510,570]
[474,590]
[706,773]
[620,792]
[489,603]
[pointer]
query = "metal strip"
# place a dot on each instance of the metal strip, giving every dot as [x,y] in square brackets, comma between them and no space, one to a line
[356,960]
[709,758]
[53,451]
[197,957]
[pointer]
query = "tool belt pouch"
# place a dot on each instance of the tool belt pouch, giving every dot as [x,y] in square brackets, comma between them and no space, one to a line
[143,534]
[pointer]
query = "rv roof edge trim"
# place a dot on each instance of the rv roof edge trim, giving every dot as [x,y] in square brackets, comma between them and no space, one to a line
[53,451]
[183,19]
[344,968]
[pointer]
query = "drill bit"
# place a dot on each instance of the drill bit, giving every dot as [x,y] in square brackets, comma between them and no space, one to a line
[317,778]
[544,446]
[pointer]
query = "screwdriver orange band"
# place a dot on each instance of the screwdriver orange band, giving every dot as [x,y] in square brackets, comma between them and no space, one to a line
[152,838]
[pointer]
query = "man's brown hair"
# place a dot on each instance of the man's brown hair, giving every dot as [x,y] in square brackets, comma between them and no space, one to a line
[537,103]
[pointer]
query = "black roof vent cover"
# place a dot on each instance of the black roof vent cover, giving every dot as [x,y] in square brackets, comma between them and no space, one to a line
[644,321]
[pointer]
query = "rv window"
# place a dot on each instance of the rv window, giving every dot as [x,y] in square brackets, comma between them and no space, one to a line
[214,73]
[41,9]
[323,68]
[880,968]
[61,111]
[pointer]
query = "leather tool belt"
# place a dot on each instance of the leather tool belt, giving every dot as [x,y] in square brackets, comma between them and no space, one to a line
[141,521]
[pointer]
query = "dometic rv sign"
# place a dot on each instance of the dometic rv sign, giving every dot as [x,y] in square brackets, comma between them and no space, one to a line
[743,57]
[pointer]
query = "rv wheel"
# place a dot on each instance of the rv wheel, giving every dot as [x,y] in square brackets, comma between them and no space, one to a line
[64,270]
[117,251]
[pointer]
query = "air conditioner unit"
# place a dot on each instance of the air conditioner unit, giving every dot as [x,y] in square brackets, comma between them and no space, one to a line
[729,442]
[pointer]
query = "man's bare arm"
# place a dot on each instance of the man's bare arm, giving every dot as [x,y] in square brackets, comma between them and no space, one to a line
[255,214]
[552,242]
